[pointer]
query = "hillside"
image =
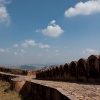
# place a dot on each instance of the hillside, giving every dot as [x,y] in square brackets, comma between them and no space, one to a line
[6,93]
[48,67]
[28,67]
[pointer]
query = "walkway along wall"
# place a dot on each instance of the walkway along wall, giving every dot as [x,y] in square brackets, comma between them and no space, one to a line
[35,90]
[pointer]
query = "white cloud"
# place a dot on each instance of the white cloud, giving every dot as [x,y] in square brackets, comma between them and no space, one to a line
[20,53]
[15,53]
[38,31]
[5,2]
[22,50]
[84,8]
[15,45]
[3,50]
[90,51]
[29,43]
[52,30]
[53,22]
[57,51]
[43,46]
[4,15]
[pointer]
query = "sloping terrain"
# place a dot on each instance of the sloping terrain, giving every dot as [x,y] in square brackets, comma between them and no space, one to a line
[6,93]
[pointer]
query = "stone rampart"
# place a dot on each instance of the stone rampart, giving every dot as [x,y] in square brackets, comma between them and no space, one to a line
[44,92]
[35,90]
[81,70]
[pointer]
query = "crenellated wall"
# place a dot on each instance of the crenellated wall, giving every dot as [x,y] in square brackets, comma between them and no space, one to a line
[81,70]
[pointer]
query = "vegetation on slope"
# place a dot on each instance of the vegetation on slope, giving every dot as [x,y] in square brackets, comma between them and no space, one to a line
[6,93]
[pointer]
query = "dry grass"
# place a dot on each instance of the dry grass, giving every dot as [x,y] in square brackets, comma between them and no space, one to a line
[6,93]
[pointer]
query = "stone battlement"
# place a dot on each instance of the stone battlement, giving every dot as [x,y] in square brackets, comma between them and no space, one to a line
[81,70]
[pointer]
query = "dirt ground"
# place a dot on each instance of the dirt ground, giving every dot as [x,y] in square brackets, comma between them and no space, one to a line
[6,93]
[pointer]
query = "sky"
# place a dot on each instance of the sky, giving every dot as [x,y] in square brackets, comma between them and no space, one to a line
[48,31]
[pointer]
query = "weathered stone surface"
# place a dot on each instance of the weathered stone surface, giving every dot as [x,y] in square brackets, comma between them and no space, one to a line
[17,84]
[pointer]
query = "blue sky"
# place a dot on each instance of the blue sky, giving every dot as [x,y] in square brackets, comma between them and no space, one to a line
[48,31]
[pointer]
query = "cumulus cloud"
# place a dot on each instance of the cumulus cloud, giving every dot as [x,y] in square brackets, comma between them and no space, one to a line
[5,2]
[20,53]
[43,46]
[4,15]
[53,22]
[29,43]
[3,50]
[15,45]
[90,51]
[52,30]
[57,51]
[15,53]
[84,8]
[22,50]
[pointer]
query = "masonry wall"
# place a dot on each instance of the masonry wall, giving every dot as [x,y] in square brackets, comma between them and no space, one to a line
[36,91]
[6,77]
[42,92]
[81,70]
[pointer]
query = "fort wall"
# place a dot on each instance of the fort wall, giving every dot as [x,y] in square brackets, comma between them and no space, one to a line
[81,70]
[35,90]
[87,70]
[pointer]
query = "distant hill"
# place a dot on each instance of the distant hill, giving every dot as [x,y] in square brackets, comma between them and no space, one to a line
[48,67]
[33,67]
[29,67]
